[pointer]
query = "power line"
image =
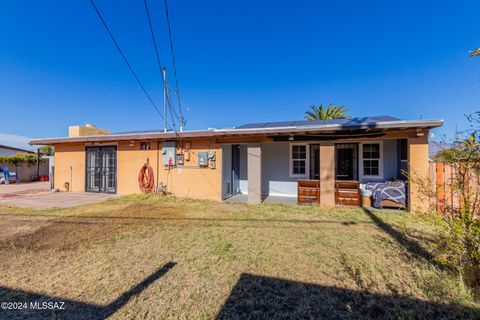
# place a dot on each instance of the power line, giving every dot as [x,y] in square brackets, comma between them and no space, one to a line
[194,116]
[173,60]
[152,33]
[125,58]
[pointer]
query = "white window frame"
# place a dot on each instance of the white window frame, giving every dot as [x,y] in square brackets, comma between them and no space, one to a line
[380,161]
[307,160]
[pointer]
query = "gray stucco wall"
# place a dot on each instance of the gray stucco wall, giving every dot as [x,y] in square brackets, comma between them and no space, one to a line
[276,167]
[390,162]
[276,170]
[276,178]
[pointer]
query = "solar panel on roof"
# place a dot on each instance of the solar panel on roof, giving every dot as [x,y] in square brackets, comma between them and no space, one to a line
[138,131]
[301,123]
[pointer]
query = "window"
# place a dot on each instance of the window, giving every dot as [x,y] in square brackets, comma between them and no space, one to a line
[298,160]
[371,159]
[145,146]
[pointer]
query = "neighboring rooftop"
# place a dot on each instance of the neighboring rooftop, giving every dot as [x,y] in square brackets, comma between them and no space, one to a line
[378,123]
[15,149]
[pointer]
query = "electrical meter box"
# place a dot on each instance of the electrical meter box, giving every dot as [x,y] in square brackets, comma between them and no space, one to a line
[203,159]
[211,155]
[169,153]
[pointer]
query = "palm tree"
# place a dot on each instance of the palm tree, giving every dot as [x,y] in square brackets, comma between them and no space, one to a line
[329,113]
[474,53]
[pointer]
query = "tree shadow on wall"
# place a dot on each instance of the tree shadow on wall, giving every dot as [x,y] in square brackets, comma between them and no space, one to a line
[259,297]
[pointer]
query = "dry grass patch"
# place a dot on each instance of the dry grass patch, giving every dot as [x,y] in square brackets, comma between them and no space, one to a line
[226,261]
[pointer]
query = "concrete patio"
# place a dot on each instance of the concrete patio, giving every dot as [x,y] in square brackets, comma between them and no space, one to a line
[37,195]
[24,187]
[243,198]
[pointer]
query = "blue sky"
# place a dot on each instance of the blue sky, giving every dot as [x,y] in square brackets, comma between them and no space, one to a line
[238,62]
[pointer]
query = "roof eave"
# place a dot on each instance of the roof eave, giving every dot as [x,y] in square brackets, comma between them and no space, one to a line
[401,124]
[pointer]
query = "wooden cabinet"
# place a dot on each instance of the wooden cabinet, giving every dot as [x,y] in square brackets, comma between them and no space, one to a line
[347,193]
[308,191]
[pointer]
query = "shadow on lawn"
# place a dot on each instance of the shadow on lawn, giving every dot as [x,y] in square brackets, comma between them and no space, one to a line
[66,219]
[259,297]
[73,309]
[412,246]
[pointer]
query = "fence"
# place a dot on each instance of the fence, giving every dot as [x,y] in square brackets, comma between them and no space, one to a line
[26,172]
[442,177]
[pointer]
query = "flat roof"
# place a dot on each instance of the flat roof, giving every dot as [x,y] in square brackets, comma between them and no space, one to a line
[267,128]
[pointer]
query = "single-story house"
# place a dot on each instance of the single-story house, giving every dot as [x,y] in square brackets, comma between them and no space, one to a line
[258,160]
[11,151]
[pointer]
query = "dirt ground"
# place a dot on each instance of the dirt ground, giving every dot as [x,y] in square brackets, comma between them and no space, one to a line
[162,258]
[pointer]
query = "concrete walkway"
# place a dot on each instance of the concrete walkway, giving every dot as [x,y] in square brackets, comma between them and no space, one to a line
[37,196]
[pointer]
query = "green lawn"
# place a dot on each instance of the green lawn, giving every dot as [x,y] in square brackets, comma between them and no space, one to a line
[157,257]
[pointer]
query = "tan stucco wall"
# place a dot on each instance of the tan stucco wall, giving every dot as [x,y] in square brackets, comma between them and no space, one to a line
[327,173]
[417,168]
[66,157]
[194,182]
[254,174]
[183,181]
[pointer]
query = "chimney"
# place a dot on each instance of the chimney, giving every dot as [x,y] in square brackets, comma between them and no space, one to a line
[88,130]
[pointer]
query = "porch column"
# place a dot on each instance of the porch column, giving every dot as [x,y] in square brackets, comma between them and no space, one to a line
[254,175]
[417,167]
[327,174]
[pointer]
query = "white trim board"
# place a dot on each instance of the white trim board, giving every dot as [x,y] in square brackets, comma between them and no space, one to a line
[380,175]
[307,160]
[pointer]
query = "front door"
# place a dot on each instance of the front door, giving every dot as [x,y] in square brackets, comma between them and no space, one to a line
[346,161]
[101,169]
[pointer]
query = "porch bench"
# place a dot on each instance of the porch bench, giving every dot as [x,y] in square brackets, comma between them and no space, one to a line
[347,192]
[308,192]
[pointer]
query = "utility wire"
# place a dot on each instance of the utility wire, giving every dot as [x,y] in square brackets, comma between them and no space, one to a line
[152,33]
[125,58]
[189,109]
[173,59]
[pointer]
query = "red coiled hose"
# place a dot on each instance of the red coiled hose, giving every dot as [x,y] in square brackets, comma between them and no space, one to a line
[146,180]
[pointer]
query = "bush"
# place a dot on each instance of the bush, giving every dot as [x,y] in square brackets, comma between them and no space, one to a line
[460,249]
[28,159]
[46,150]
